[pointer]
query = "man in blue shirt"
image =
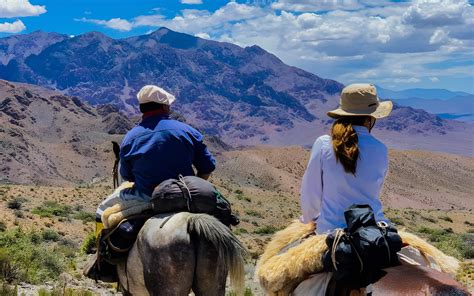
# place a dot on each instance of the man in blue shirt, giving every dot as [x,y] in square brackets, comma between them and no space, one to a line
[158,148]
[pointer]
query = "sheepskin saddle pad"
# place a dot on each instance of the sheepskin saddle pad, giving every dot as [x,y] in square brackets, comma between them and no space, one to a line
[123,209]
[295,253]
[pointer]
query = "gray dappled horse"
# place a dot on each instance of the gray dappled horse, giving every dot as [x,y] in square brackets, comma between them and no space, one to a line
[177,253]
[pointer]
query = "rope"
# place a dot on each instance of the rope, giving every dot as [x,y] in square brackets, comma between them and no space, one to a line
[337,238]
[339,234]
[188,197]
[383,228]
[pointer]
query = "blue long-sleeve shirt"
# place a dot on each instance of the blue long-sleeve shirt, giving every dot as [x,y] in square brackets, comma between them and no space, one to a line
[160,148]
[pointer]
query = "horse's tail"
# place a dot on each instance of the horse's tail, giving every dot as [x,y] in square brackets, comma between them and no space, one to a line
[230,251]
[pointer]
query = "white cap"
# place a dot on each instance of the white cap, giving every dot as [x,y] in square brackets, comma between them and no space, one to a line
[153,93]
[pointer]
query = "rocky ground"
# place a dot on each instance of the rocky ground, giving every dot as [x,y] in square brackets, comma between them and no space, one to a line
[423,189]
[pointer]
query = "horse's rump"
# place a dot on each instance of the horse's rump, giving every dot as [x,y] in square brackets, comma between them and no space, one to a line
[180,251]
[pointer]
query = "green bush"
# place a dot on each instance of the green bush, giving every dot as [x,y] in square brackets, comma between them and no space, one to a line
[240,231]
[89,244]
[266,230]
[52,208]
[50,235]
[8,290]
[3,226]
[84,216]
[29,258]
[253,213]
[15,204]
[247,292]
[63,291]
[458,245]
[397,221]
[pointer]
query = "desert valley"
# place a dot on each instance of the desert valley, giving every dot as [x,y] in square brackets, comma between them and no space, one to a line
[64,99]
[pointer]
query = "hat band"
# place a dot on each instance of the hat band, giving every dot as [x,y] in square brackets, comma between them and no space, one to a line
[360,110]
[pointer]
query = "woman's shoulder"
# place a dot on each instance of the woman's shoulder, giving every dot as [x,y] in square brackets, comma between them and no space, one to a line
[323,140]
[322,143]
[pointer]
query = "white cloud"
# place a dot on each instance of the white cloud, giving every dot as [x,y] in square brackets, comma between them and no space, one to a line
[434,13]
[386,42]
[191,21]
[327,5]
[115,23]
[203,35]
[14,27]
[19,8]
[434,79]
[191,1]
[439,36]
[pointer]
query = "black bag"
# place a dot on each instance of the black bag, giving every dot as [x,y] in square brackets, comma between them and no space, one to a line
[357,254]
[194,195]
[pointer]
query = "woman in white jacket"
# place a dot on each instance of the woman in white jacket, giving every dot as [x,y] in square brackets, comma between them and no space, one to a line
[349,166]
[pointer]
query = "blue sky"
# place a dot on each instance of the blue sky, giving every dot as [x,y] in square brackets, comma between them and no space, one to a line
[395,44]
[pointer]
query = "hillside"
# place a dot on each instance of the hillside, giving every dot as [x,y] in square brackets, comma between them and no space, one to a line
[245,96]
[410,182]
[425,192]
[49,138]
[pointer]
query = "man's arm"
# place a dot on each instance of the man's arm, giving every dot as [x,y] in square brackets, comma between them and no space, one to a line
[203,161]
[204,176]
[125,166]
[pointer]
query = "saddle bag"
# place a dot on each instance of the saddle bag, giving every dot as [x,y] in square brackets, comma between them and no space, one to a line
[194,195]
[358,253]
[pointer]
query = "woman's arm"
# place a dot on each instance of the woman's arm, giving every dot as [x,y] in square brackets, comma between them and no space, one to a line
[312,185]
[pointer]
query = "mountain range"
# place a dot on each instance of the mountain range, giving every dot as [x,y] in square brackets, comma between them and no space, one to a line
[444,103]
[244,96]
[425,93]
[459,107]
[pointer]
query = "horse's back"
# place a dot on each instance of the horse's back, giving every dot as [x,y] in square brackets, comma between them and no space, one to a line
[164,230]
[416,280]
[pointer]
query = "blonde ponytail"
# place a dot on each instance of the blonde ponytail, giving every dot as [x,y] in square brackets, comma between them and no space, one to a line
[345,142]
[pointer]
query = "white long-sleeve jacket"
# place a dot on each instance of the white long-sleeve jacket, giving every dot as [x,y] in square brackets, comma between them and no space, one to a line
[327,190]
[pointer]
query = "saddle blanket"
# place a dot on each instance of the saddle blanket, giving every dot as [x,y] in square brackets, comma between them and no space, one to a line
[295,253]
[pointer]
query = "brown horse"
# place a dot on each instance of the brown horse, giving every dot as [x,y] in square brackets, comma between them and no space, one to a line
[177,253]
[398,281]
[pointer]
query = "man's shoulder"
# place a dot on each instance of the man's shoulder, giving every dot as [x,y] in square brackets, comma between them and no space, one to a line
[173,124]
[136,131]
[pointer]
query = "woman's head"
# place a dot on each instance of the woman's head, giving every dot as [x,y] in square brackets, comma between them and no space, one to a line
[359,105]
[345,141]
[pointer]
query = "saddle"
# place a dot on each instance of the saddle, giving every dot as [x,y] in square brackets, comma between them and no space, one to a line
[123,221]
[113,245]
[296,252]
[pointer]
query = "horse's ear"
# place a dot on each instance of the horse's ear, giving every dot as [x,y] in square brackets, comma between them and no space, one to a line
[116,148]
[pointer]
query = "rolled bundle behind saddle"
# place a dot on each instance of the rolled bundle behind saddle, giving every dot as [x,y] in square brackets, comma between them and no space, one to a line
[192,194]
[358,253]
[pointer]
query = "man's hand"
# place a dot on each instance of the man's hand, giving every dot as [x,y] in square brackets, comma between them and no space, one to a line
[204,176]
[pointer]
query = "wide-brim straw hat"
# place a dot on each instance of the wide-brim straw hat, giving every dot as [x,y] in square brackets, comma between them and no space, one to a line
[361,100]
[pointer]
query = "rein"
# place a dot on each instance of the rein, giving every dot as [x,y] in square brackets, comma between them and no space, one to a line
[116,149]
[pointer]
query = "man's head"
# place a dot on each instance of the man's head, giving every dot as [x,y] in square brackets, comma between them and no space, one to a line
[152,97]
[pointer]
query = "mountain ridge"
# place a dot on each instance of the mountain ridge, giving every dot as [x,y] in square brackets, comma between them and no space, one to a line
[243,95]
[421,93]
